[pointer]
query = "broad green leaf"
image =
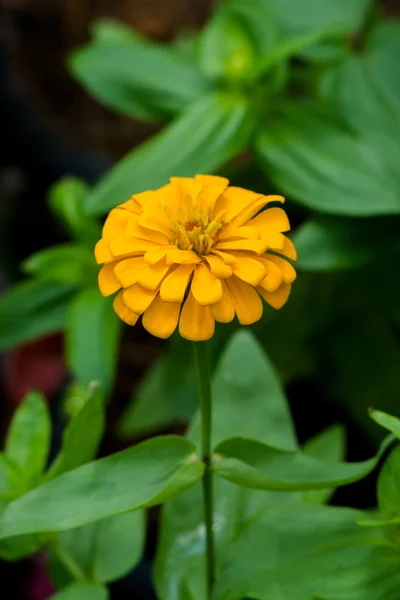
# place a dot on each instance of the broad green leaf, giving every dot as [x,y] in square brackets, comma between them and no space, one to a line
[66,263]
[329,445]
[92,336]
[251,464]
[137,77]
[67,199]
[82,591]
[206,135]
[12,482]
[332,243]
[144,475]
[320,163]
[310,16]
[365,87]
[244,383]
[387,421]
[225,48]
[28,438]
[257,18]
[247,384]
[389,487]
[32,309]
[82,436]
[305,552]
[106,550]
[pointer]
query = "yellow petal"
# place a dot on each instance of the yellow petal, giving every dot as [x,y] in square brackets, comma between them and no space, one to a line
[137,298]
[233,201]
[228,259]
[247,302]
[132,205]
[102,252]
[249,269]
[115,224]
[161,318]
[212,180]
[278,298]
[206,288]
[125,246]
[152,276]
[224,311]
[288,249]
[182,257]
[174,286]
[196,323]
[108,283]
[133,229]
[123,311]
[218,267]
[129,270]
[153,256]
[289,273]
[155,222]
[145,199]
[274,275]
[271,219]
[248,213]
[257,246]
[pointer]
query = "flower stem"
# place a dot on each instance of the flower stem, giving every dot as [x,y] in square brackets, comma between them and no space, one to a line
[204,391]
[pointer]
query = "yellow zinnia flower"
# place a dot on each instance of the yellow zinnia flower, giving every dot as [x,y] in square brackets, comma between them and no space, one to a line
[195,251]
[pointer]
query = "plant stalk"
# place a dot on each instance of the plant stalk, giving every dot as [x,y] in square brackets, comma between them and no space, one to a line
[204,391]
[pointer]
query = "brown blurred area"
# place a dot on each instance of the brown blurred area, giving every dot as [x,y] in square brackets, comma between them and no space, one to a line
[39,35]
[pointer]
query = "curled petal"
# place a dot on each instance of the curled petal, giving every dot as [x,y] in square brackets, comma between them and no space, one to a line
[196,323]
[126,315]
[161,318]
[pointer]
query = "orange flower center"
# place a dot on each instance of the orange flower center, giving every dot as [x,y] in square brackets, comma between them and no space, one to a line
[199,234]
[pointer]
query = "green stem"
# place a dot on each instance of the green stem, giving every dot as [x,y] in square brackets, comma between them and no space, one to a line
[70,564]
[204,390]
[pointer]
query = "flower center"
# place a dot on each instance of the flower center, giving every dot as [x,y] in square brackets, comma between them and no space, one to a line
[198,234]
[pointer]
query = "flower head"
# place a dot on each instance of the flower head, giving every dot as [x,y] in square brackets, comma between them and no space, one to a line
[195,251]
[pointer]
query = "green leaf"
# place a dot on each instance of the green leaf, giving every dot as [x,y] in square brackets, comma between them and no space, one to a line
[252,464]
[92,338]
[389,487]
[306,552]
[144,475]
[320,163]
[245,383]
[309,16]
[328,446]
[82,436]
[67,198]
[206,135]
[66,263]
[225,48]
[107,550]
[387,421]
[32,309]
[11,479]
[136,76]
[28,438]
[257,18]
[82,591]
[332,243]
[365,87]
